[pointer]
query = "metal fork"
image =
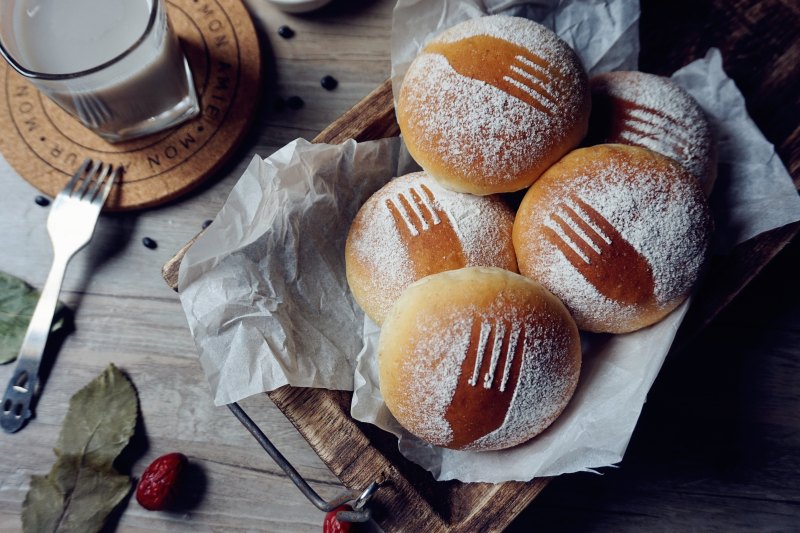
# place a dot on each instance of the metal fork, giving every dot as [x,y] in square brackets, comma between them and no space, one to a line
[71,224]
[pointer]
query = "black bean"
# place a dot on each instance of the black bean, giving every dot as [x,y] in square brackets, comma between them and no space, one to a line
[207,223]
[294,102]
[329,82]
[42,200]
[286,32]
[149,243]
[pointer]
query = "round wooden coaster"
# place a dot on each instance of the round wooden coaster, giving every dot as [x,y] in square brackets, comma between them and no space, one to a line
[46,145]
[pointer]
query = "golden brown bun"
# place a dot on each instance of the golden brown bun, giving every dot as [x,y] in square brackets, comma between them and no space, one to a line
[652,112]
[444,352]
[489,104]
[619,233]
[412,227]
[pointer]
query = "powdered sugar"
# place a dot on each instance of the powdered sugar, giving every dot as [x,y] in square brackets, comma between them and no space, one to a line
[433,374]
[440,344]
[516,30]
[546,382]
[652,112]
[413,205]
[473,126]
[662,217]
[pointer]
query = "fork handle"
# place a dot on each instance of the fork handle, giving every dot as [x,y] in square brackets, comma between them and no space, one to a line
[15,409]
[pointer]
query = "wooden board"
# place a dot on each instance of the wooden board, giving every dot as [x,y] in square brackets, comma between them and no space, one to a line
[46,145]
[757,55]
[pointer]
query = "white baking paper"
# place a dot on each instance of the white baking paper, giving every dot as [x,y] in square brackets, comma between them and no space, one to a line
[264,288]
[266,298]
[753,192]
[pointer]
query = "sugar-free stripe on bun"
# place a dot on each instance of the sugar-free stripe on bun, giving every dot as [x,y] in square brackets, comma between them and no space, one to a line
[489,104]
[478,359]
[619,233]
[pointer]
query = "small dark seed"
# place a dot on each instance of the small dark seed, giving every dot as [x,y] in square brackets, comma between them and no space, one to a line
[286,32]
[42,200]
[329,82]
[149,243]
[294,102]
[207,223]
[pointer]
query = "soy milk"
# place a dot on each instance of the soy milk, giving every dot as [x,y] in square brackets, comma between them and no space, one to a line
[144,80]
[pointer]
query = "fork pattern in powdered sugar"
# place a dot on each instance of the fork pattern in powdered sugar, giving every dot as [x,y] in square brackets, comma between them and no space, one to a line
[530,75]
[598,251]
[514,69]
[650,128]
[568,221]
[432,242]
[490,372]
[504,343]
[416,210]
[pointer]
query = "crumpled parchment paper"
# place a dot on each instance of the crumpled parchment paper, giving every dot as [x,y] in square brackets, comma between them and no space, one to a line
[266,298]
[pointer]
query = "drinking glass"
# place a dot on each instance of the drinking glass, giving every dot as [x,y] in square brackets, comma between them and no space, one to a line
[115,65]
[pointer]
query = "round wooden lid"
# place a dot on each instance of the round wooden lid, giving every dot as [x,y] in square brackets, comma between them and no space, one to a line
[46,145]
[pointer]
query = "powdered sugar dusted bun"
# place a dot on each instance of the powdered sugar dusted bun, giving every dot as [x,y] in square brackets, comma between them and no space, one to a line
[412,227]
[652,112]
[619,233]
[489,104]
[478,359]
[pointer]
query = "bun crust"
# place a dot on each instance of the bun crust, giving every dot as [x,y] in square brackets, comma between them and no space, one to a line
[478,359]
[619,233]
[411,228]
[489,104]
[652,112]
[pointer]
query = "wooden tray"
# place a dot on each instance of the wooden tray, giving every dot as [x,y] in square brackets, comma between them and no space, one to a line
[763,62]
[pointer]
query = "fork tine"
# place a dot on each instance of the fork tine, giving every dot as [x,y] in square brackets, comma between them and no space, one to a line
[74,179]
[480,351]
[568,237]
[596,221]
[105,171]
[423,209]
[101,198]
[414,217]
[91,173]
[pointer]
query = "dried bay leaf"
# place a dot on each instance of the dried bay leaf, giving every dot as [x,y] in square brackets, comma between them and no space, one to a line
[82,487]
[17,302]
[100,420]
[46,497]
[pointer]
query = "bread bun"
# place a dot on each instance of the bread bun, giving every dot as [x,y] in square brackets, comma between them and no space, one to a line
[619,233]
[412,227]
[492,102]
[478,359]
[652,112]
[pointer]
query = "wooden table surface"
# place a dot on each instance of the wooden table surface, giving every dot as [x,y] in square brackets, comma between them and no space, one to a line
[717,447]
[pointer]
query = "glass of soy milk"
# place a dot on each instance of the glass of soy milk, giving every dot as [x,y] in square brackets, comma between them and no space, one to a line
[115,65]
